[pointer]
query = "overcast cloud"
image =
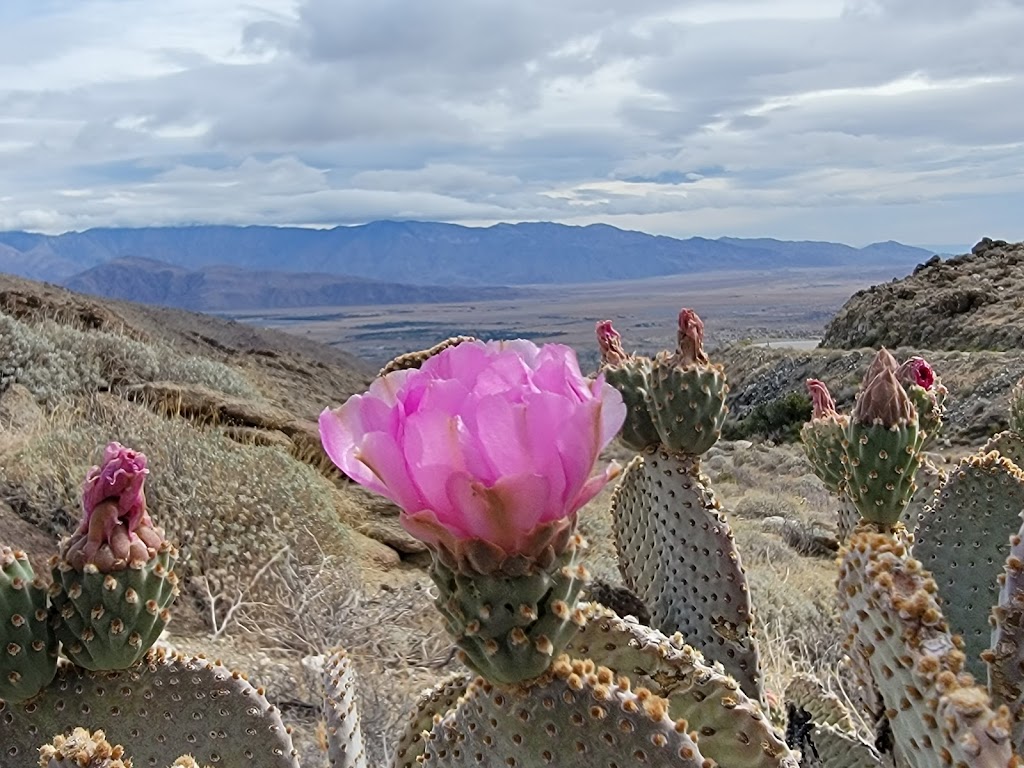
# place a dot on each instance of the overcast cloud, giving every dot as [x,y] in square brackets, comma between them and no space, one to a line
[857,121]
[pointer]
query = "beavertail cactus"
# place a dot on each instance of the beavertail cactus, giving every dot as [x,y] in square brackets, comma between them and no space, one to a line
[963,539]
[113,579]
[676,548]
[28,647]
[899,639]
[883,445]
[488,449]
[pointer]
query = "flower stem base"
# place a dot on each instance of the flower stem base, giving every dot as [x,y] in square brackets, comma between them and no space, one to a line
[511,628]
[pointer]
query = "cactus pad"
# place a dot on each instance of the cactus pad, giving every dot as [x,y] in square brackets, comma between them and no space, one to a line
[823,445]
[1010,445]
[1005,658]
[82,750]
[881,462]
[28,648]
[823,729]
[431,706]
[733,729]
[109,620]
[509,628]
[344,732]
[677,552]
[578,716]
[416,359]
[939,718]
[687,404]
[166,706]
[632,379]
[964,538]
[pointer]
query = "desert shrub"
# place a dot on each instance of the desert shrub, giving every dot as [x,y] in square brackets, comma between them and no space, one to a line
[758,504]
[57,362]
[231,507]
[779,420]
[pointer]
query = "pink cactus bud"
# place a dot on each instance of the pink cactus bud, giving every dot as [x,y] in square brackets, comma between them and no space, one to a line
[916,370]
[884,402]
[691,338]
[821,400]
[116,528]
[883,361]
[486,442]
[610,342]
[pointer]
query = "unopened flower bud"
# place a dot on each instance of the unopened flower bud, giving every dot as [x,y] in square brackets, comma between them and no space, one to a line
[884,401]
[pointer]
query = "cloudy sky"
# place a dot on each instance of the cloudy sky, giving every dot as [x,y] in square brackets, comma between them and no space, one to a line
[849,120]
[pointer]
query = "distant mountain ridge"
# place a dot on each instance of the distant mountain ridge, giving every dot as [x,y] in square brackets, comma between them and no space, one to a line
[227,288]
[430,253]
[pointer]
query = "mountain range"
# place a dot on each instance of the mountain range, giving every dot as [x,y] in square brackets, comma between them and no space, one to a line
[226,288]
[430,253]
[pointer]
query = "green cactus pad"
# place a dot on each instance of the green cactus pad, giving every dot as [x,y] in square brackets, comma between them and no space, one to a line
[344,732]
[938,717]
[806,693]
[1017,407]
[510,628]
[164,707]
[823,729]
[632,380]
[28,648]
[82,750]
[687,405]
[416,359]
[930,410]
[109,620]
[830,747]
[880,464]
[823,445]
[963,539]
[432,705]
[1009,445]
[1005,658]
[733,729]
[578,716]
[677,553]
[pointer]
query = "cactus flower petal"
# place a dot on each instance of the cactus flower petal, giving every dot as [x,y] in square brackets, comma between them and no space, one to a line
[485,441]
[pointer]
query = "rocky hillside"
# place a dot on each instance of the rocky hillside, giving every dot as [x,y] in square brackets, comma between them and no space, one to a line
[969,302]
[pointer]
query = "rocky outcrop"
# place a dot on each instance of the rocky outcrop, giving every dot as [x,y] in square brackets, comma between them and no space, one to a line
[969,302]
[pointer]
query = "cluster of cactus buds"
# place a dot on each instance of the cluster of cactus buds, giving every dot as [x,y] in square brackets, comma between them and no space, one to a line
[871,456]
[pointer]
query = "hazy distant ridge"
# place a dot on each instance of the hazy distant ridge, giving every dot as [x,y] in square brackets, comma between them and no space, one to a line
[222,288]
[425,253]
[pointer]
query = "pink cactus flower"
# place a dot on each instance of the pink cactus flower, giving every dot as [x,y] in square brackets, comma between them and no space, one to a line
[487,441]
[916,370]
[116,528]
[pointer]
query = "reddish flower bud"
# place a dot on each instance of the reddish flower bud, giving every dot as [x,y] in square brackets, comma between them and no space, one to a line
[821,400]
[691,339]
[917,371]
[610,342]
